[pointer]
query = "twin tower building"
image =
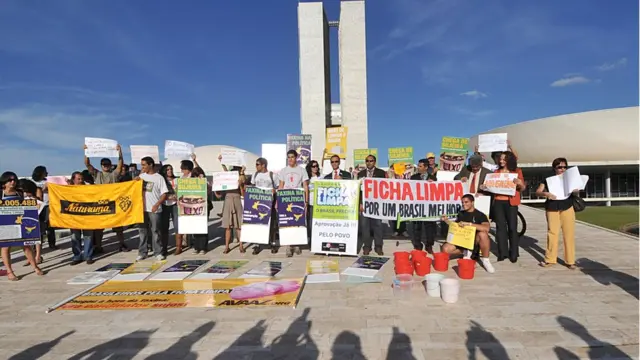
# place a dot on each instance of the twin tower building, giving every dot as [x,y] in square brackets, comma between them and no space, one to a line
[315,75]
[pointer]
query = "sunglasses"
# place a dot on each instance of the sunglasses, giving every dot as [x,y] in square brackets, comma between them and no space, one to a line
[315,166]
[12,179]
[561,167]
[370,161]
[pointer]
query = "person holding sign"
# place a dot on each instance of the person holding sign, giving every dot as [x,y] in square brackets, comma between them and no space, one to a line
[429,227]
[469,216]
[505,210]
[336,172]
[560,215]
[370,225]
[294,177]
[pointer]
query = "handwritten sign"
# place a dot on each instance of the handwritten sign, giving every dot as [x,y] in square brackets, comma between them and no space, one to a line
[233,157]
[501,183]
[178,150]
[140,151]
[464,237]
[225,180]
[492,142]
[98,147]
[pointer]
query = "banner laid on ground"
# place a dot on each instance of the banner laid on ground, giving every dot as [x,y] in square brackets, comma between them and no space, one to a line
[335,217]
[192,206]
[256,215]
[292,219]
[93,277]
[220,269]
[461,236]
[265,269]
[366,266]
[257,292]
[322,271]
[139,271]
[89,207]
[401,155]
[302,145]
[391,199]
[453,153]
[360,156]
[19,222]
[115,266]
[501,183]
[180,270]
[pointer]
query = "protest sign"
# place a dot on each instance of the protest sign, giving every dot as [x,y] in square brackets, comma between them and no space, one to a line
[292,219]
[225,180]
[19,222]
[336,143]
[492,142]
[391,199]
[178,150]
[233,157]
[401,155]
[192,206]
[302,145]
[464,237]
[360,156]
[140,151]
[453,153]
[256,215]
[335,217]
[501,183]
[101,148]
[563,185]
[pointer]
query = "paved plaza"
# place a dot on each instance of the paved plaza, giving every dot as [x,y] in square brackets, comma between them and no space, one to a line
[520,312]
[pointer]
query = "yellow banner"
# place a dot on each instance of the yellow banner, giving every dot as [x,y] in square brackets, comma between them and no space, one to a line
[90,207]
[153,294]
[143,267]
[464,237]
[336,143]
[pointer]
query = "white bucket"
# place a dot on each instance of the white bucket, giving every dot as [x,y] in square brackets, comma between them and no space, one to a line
[450,289]
[432,284]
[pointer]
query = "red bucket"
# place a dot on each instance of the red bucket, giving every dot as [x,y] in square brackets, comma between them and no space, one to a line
[422,266]
[418,254]
[440,261]
[400,256]
[404,270]
[466,268]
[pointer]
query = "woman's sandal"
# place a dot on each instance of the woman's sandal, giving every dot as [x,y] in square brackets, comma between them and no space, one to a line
[546,264]
[572,267]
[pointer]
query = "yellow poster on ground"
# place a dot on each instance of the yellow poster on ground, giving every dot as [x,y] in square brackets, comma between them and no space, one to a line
[464,237]
[120,295]
[89,207]
[336,143]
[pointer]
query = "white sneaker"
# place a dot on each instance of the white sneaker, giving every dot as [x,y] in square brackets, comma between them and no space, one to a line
[487,265]
[140,258]
[160,257]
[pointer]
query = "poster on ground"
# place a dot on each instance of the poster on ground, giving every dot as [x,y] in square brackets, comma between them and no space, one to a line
[335,217]
[453,153]
[301,143]
[192,205]
[256,215]
[265,269]
[180,270]
[139,271]
[366,266]
[336,143]
[220,269]
[19,222]
[115,266]
[360,157]
[322,271]
[401,155]
[92,277]
[393,199]
[292,218]
[257,292]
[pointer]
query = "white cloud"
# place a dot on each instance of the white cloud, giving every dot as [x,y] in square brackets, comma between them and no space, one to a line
[573,80]
[612,65]
[474,94]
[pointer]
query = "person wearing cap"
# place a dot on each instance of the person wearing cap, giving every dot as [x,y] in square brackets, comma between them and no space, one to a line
[432,167]
[108,175]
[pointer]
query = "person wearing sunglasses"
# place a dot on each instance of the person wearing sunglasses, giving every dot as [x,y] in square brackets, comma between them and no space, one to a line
[9,189]
[560,215]
[336,172]
[370,225]
[313,170]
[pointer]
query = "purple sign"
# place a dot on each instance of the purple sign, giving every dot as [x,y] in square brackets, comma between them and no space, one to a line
[186,266]
[291,208]
[257,206]
[302,145]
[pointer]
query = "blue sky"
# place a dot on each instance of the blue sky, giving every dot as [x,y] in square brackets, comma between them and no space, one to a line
[226,72]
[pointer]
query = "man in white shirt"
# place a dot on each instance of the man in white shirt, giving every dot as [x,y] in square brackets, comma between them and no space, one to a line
[294,177]
[155,193]
[263,178]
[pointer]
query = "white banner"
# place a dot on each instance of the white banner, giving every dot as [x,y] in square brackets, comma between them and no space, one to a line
[492,142]
[412,200]
[98,147]
[178,150]
[233,157]
[225,180]
[140,151]
[501,183]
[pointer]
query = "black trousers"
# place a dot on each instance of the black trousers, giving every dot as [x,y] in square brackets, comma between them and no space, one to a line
[506,219]
[309,221]
[398,229]
[430,228]
[45,228]
[371,226]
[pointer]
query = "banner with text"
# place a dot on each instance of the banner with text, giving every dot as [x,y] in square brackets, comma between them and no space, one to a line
[501,183]
[453,153]
[401,155]
[292,217]
[256,215]
[302,145]
[336,143]
[360,156]
[335,217]
[19,222]
[391,199]
[192,206]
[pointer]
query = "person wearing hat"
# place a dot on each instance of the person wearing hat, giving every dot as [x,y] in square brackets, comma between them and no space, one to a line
[432,167]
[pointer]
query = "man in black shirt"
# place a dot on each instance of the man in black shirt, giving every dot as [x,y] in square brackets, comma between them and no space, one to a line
[469,216]
[369,225]
[429,227]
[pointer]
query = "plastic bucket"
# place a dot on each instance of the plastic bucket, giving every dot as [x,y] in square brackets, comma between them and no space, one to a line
[466,268]
[402,285]
[404,269]
[432,284]
[418,254]
[450,289]
[422,266]
[441,261]
[400,256]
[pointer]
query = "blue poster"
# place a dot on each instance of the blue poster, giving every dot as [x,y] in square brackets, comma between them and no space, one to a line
[19,222]
[291,208]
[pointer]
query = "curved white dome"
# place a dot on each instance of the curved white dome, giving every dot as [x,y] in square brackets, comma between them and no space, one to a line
[207,157]
[603,136]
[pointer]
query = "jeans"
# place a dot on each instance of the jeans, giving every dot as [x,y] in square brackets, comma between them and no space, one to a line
[506,219]
[80,239]
[430,228]
[150,232]
[369,225]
